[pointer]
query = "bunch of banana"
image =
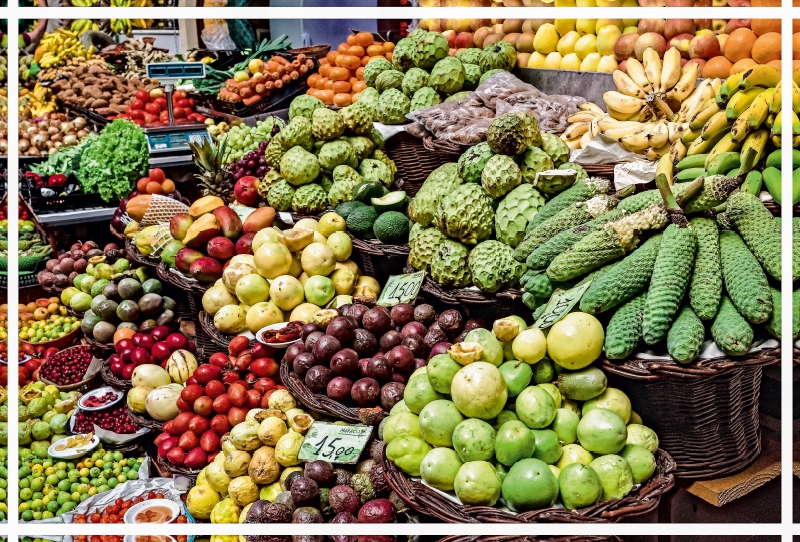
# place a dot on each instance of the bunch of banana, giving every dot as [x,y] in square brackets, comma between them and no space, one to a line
[56,48]
[84,3]
[37,102]
[79,26]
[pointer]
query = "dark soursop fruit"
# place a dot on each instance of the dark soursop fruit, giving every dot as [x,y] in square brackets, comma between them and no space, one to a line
[512,133]
[450,266]
[500,55]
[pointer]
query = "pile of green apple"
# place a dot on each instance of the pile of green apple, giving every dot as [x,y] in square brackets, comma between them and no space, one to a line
[494,417]
[290,276]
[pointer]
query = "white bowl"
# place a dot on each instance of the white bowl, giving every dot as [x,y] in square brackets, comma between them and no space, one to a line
[133,511]
[97,393]
[272,327]
[72,453]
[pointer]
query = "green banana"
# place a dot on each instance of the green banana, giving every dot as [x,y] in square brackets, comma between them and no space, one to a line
[723,162]
[690,174]
[772,180]
[697,160]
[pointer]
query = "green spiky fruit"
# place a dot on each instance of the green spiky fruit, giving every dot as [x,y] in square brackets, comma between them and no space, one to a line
[393,106]
[447,76]
[449,266]
[298,166]
[466,214]
[442,181]
[326,124]
[469,56]
[374,68]
[309,199]
[369,98]
[381,156]
[280,196]
[512,133]
[298,133]
[337,153]
[275,151]
[378,141]
[425,245]
[304,106]
[493,266]
[424,97]
[487,75]
[534,160]
[403,54]
[514,212]
[358,118]
[430,49]
[413,80]
[472,76]
[362,145]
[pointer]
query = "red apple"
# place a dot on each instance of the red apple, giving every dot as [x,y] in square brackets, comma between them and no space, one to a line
[246,191]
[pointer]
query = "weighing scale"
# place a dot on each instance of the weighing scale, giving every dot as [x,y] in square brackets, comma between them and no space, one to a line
[168,143]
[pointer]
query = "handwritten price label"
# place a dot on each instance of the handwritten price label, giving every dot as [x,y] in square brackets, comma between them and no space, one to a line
[335,443]
[561,302]
[401,289]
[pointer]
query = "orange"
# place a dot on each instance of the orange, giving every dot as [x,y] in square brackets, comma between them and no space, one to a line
[742,65]
[154,188]
[365,60]
[767,47]
[351,39]
[351,62]
[168,186]
[359,86]
[388,55]
[123,333]
[360,73]
[331,56]
[329,84]
[719,66]
[312,80]
[739,44]
[342,49]
[796,46]
[355,97]
[364,39]
[321,82]
[388,46]
[356,50]
[326,96]
[762,26]
[342,100]
[376,50]
[339,74]
[341,86]
[324,69]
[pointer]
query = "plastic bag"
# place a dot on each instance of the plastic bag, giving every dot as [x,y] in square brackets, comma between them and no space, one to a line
[215,36]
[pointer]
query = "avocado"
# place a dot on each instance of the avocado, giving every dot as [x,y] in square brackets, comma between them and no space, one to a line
[582,385]
[344,209]
[391,227]
[360,220]
[367,190]
[393,201]
[151,286]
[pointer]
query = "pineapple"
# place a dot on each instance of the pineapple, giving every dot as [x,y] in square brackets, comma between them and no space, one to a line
[215,180]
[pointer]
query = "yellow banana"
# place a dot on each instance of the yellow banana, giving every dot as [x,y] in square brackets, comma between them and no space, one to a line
[775,105]
[677,151]
[716,124]
[676,130]
[777,125]
[759,109]
[708,110]
[626,85]
[592,108]
[653,154]
[665,166]
[685,86]
[740,101]
[637,141]
[576,130]
[752,149]
[622,102]
[671,69]
[659,136]
[636,72]
[728,88]
[652,67]
[583,116]
[726,144]
[618,133]
[762,75]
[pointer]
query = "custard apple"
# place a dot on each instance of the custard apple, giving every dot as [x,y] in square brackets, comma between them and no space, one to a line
[424,97]
[393,107]
[500,55]
[298,133]
[361,145]
[304,106]
[358,118]
[581,172]
[369,98]
[309,199]
[555,148]
[335,153]
[340,192]
[487,75]
[447,76]
[533,161]
[417,34]
[465,214]
[415,230]
[439,183]
[374,68]
[458,96]
[325,181]
[375,170]
[500,176]
[298,166]
[317,146]
[450,264]
[472,162]
[403,54]
[469,56]
[493,266]
[554,181]
[472,76]
[377,138]
[512,133]
[326,124]
[514,212]
[381,156]
[389,79]
[430,49]
[263,186]
[346,173]
[275,151]
[280,196]
[425,246]
[414,79]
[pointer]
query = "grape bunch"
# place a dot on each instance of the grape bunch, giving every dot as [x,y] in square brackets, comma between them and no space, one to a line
[251,164]
[243,139]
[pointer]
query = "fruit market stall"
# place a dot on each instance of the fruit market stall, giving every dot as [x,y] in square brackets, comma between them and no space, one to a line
[364,306]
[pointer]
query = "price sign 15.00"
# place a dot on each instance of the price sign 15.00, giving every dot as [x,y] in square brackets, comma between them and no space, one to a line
[335,443]
[401,289]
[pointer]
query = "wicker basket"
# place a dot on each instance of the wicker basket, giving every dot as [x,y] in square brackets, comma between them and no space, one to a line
[89,382]
[188,286]
[173,469]
[414,161]
[324,405]
[475,303]
[145,421]
[219,340]
[429,501]
[775,208]
[705,414]
[379,260]
[100,350]
[118,235]
[113,381]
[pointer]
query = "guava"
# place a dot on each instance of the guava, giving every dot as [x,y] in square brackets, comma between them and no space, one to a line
[492,349]
[535,407]
[529,485]
[505,329]
[440,467]
[514,441]
[503,417]
[286,292]
[544,371]
[579,486]
[640,460]
[419,393]
[477,483]
[574,453]
[478,390]
[530,345]
[635,418]
[441,370]
[407,453]
[575,341]
[611,399]
[615,476]
[643,436]
[252,289]
[474,440]
[602,431]
[399,407]
[572,405]
[318,259]
[553,391]
[401,424]
[548,447]
[437,420]
[565,425]
[319,290]
[517,375]
[501,469]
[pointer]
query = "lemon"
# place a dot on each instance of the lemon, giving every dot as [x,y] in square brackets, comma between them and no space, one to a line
[575,341]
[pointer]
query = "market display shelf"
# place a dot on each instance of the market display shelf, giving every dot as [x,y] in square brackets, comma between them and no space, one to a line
[77,216]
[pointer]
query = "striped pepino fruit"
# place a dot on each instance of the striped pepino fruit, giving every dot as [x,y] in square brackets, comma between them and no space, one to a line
[669,281]
[730,330]
[685,337]
[624,330]
[760,230]
[705,288]
[745,281]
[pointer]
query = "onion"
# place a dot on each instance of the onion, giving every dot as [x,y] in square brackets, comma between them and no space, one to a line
[57,145]
[65,127]
[33,130]
[79,122]
[49,144]
[40,140]
[24,145]
[70,140]
[82,133]
[24,125]
[55,137]
[52,150]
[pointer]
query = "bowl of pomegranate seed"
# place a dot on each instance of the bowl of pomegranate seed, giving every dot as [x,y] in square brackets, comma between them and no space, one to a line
[100,399]
[73,368]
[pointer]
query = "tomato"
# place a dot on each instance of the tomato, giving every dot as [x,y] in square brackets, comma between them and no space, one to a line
[150,119]
[191,102]
[162,102]
[157,175]
[183,103]
[139,122]
[143,95]
[152,108]
[124,116]
[197,117]
[138,114]
[179,113]
[137,104]
[164,116]
[178,95]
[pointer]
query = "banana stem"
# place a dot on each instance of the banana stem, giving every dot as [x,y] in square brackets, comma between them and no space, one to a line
[674,210]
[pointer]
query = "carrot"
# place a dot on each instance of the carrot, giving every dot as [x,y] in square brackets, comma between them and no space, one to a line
[252,99]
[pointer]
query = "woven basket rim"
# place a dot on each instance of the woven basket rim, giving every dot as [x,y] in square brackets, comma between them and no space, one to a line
[455,296]
[217,337]
[118,235]
[145,421]
[133,253]
[649,369]
[76,385]
[323,404]
[171,278]
[377,248]
[113,381]
[427,501]
[173,469]
[529,538]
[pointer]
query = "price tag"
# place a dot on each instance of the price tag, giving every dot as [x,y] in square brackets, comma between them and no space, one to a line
[335,443]
[561,302]
[401,289]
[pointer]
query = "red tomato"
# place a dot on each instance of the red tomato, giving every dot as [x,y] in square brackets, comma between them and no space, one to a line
[124,116]
[183,103]
[191,102]
[179,113]
[163,116]
[139,122]
[150,119]
[157,175]
[162,102]
[137,104]
[152,108]
[197,117]
[137,114]
[178,95]
[143,95]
